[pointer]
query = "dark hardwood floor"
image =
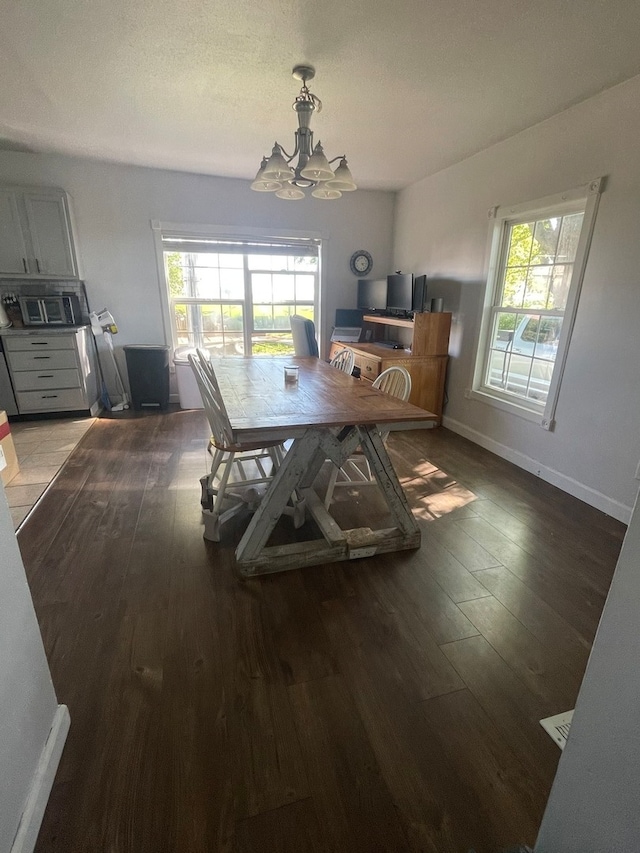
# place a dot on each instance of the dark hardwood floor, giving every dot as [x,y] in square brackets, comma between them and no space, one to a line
[387,704]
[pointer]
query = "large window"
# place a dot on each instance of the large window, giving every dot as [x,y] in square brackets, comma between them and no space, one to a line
[235,297]
[538,257]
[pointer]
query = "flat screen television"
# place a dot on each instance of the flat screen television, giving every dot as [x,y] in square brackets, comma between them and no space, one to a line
[372,294]
[400,292]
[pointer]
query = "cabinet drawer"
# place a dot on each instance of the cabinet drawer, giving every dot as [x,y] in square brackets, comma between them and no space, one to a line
[51,401]
[369,367]
[41,380]
[31,343]
[44,361]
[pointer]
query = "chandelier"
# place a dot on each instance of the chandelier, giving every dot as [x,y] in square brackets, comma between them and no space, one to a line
[287,180]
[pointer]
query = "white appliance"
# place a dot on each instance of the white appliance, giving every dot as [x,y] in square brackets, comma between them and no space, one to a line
[104,327]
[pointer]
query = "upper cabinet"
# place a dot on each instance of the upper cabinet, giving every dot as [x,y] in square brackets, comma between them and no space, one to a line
[35,234]
[13,252]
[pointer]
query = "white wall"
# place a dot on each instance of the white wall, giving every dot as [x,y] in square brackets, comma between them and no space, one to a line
[594,802]
[441,229]
[114,206]
[27,701]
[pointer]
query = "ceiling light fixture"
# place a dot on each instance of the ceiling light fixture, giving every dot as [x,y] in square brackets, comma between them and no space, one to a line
[313,170]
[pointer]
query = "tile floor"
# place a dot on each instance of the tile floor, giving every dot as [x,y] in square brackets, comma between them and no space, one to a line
[42,448]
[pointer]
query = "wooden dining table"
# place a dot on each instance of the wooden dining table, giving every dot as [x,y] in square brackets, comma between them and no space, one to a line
[328,414]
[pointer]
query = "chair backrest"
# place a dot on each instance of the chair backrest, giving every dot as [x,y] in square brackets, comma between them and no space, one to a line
[304,336]
[204,359]
[395,381]
[344,361]
[212,399]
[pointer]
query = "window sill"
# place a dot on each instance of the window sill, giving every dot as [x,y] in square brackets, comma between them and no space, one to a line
[512,408]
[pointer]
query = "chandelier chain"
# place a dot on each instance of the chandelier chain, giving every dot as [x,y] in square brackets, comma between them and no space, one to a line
[306,95]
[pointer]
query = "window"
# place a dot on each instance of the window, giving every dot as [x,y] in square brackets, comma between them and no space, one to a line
[538,255]
[235,297]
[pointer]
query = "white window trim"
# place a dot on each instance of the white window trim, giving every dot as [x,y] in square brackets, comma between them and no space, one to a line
[587,195]
[213,232]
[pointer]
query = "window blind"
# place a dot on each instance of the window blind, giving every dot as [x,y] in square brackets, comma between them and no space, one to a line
[300,248]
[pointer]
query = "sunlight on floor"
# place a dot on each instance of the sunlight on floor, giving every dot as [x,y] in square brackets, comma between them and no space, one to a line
[432,493]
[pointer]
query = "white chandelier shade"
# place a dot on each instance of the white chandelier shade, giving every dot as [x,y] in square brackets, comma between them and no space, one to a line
[318,168]
[290,193]
[277,168]
[343,179]
[262,184]
[288,180]
[325,192]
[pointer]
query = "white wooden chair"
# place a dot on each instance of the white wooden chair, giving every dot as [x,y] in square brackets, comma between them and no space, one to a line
[356,471]
[344,361]
[237,470]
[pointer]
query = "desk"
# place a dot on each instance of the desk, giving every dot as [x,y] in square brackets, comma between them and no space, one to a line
[427,336]
[328,414]
[428,372]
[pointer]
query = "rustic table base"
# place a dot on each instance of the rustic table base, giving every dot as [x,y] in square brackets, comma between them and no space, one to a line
[298,471]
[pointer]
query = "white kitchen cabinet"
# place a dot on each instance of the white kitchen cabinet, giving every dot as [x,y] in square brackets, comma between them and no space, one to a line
[53,371]
[36,240]
[13,252]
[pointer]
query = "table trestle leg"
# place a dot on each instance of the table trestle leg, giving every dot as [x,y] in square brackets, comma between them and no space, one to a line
[285,482]
[376,453]
[297,472]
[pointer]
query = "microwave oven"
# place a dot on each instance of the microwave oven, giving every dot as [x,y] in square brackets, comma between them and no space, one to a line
[61,310]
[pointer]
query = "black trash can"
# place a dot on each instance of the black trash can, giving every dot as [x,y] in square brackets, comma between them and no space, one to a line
[148,369]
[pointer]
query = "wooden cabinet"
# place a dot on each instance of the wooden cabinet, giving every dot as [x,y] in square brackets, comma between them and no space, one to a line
[425,357]
[35,234]
[53,371]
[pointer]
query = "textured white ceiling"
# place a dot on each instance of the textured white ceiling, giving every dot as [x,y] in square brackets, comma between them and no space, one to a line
[408,86]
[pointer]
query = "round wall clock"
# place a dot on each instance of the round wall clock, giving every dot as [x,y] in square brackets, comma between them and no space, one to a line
[361,262]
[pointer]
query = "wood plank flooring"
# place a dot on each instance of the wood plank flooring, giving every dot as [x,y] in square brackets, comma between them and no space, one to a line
[387,704]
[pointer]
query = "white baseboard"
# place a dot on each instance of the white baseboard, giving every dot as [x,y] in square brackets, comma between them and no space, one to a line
[584,493]
[27,834]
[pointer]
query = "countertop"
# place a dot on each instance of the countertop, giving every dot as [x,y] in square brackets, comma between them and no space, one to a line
[10,331]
